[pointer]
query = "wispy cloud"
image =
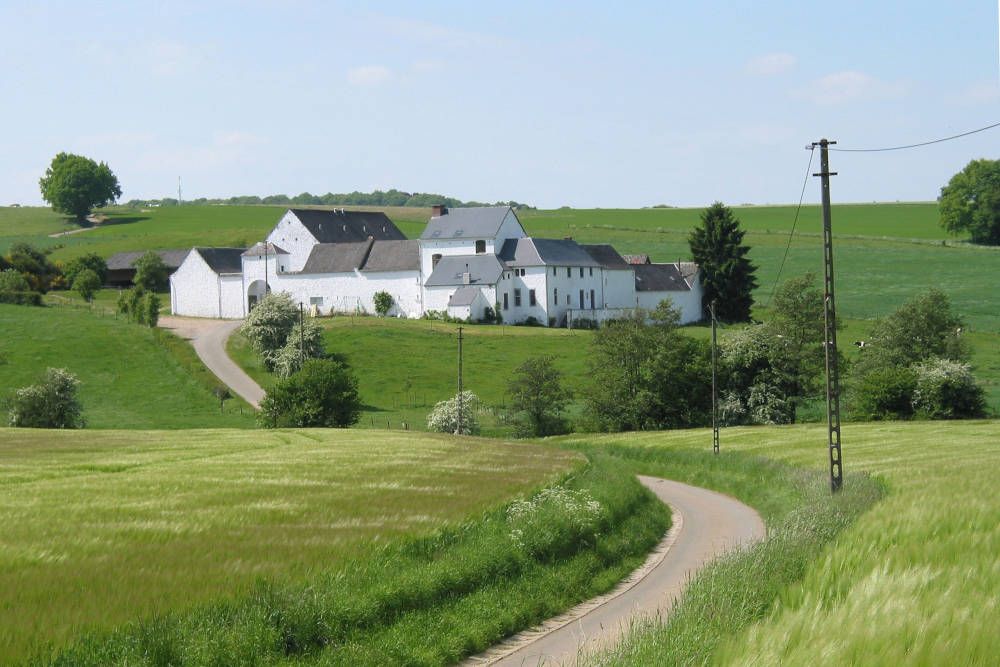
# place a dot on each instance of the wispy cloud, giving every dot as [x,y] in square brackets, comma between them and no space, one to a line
[368,75]
[849,86]
[170,58]
[770,64]
[980,93]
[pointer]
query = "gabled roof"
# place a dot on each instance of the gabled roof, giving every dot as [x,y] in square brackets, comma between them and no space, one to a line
[394,256]
[637,259]
[259,249]
[478,222]
[689,270]
[340,226]
[544,252]
[464,296]
[222,260]
[659,278]
[337,257]
[606,256]
[126,260]
[482,269]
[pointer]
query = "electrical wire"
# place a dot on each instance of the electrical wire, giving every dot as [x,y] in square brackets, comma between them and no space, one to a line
[923,143]
[795,221]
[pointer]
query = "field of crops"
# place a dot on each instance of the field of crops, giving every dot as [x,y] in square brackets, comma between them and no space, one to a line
[914,581]
[102,527]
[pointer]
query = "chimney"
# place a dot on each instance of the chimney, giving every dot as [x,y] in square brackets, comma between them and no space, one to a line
[437,210]
[567,238]
[466,278]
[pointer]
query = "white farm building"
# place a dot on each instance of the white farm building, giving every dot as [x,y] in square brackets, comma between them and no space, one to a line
[467,260]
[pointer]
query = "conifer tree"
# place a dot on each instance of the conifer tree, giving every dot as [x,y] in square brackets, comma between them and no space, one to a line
[726,271]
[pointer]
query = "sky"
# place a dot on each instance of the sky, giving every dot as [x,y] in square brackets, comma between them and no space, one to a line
[583,104]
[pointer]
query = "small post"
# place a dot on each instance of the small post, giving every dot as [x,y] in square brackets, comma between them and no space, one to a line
[458,431]
[302,341]
[715,395]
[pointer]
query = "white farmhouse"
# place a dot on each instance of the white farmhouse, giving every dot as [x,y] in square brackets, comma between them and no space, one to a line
[467,260]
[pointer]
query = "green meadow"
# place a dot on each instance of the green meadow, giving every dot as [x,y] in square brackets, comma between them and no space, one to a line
[130,376]
[101,528]
[914,580]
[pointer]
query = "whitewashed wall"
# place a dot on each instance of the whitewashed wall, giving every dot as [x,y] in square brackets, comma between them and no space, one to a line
[290,235]
[445,248]
[533,279]
[194,288]
[232,299]
[619,288]
[353,291]
[475,311]
[689,303]
[568,288]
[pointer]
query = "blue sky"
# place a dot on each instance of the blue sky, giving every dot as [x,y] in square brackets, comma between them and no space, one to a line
[584,104]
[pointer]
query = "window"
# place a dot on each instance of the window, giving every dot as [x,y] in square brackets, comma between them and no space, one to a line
[505,300]
[592,299]
[581,298]
[315,301]
[567,299]
[555,297]
[568,274]
[591,272]
[517,298]
[531,298]
[553,270]
[435,258]
[480,247]
[581,272]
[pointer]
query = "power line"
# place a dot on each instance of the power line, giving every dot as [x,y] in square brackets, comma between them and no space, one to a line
[922,143]
[795,221]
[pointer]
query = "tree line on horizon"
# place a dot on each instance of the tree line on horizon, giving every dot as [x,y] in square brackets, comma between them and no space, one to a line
[392,197]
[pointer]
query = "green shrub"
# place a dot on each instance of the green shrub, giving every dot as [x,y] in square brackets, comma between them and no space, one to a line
[946,389]
[383,303]
[91,261]
[14,288]
[150,272]
[323,393]
[139,306]
[52,403]
[884,393]
[86,283]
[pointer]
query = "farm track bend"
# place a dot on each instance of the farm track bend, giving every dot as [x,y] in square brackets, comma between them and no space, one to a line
[208,337]
[706,524]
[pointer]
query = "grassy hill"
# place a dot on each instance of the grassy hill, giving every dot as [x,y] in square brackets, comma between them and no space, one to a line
[102,527]
[131,376]
[914,581]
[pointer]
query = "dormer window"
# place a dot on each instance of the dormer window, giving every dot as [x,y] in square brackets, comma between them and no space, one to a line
[435,258]
[480,247]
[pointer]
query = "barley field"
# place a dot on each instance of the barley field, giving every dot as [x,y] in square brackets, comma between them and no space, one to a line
[98,528]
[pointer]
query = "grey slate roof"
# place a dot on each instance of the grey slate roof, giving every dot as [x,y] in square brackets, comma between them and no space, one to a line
[337,257]
[260,248]
[478,222]
[394,256]
[464,296]
[606,256]
[659,278]
[637,259]
[222,260]
[542,252]
[483,270]
[340,226]
[125,260]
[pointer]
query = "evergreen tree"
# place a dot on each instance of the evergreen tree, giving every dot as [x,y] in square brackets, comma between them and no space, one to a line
[726,271]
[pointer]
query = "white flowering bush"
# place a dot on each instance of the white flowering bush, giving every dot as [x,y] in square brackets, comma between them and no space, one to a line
[946,389]
[52,403]
[554,522]
[444,417]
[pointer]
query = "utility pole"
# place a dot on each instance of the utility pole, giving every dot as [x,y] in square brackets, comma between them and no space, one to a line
[715,395]
[302,337]
[458,431]
[830,318]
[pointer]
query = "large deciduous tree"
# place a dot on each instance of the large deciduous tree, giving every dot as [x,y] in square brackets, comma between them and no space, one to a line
[726,271]
[323,393]
[971,202]
[75,185]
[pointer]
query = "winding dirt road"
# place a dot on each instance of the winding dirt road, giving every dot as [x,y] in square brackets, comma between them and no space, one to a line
[208,338]
[706,524]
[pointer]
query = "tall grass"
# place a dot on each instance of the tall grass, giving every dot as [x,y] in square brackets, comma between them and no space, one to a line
[912,581]
[430,600]
[98,528]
